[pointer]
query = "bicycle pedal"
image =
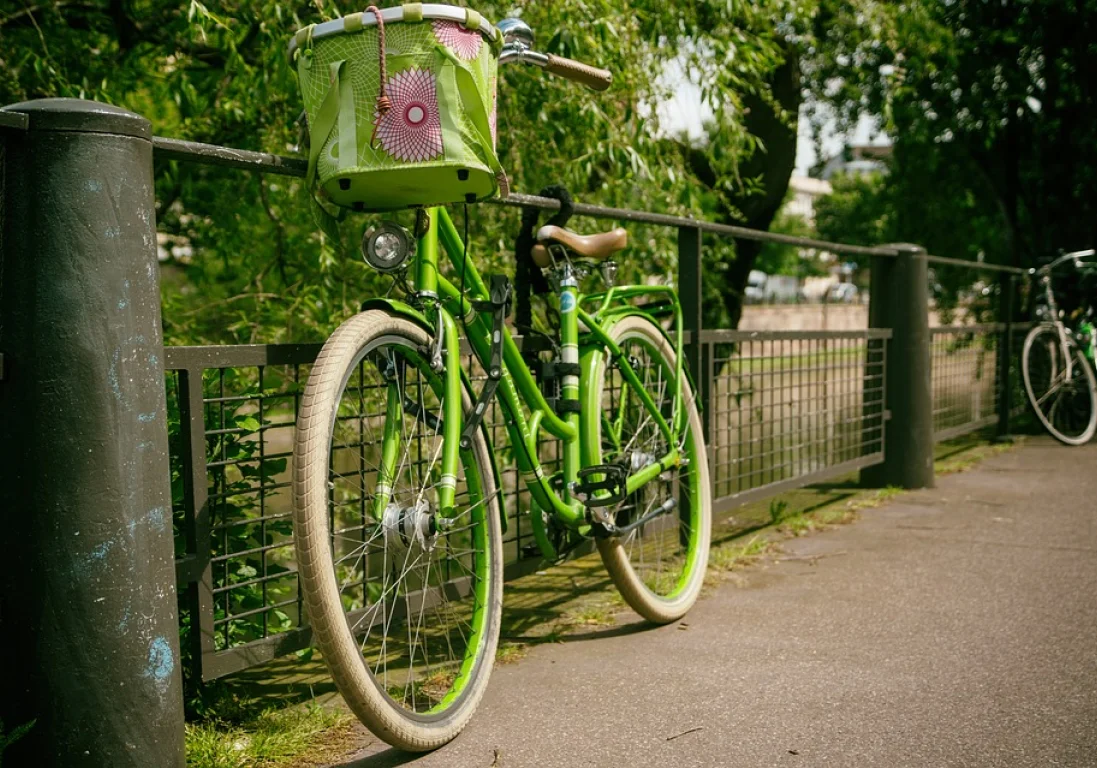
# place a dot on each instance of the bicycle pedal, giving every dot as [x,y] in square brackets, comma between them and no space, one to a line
[613,484]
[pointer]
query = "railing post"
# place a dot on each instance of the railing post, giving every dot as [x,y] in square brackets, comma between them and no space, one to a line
[690,292]
[1005,358]
[89,604]
[899,300]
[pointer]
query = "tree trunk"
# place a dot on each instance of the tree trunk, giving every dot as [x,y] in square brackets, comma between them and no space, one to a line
[772,165]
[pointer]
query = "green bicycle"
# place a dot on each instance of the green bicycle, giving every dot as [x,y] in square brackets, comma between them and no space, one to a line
[1057,362]
[397,494]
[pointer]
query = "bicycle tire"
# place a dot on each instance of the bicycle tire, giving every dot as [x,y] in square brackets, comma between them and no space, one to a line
[659,595]
[438,715]
[1036,399]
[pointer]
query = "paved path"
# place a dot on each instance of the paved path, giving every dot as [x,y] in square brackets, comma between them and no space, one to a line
[953,627]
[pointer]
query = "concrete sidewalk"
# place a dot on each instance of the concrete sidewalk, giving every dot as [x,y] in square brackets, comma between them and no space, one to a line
[953,627]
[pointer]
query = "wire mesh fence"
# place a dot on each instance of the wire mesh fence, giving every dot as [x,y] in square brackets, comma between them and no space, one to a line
[967,376]
[787,408]
[232,412]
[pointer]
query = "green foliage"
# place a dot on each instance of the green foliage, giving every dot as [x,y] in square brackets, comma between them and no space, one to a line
[248,264]
[905,206]
[779,259]
[9,738]
[860,209]
[988,104]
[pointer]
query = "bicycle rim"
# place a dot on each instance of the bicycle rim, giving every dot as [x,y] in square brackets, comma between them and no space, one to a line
[658,566]
[418,586]
[1065,405]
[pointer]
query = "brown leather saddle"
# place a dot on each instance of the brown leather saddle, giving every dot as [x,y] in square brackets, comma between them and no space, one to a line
[594,247]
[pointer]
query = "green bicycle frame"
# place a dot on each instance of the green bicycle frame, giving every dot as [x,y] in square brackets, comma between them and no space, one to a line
[518,392]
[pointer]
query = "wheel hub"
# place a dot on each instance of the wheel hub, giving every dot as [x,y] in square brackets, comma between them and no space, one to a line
[640,459]
[409,527]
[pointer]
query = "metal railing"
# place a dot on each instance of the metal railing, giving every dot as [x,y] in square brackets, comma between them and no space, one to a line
[787,408]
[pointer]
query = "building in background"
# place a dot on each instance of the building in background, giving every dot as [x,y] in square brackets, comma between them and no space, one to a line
[805,191]
[858,160]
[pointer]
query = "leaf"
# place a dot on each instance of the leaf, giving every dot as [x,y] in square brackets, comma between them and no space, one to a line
[250,423]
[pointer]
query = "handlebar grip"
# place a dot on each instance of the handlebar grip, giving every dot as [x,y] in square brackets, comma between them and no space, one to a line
[592,77]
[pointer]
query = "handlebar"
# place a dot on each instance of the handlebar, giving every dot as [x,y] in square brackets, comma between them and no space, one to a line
[592,77]
[518,38]
[1075,256]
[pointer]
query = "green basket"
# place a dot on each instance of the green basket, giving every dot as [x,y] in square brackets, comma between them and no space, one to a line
[435,142]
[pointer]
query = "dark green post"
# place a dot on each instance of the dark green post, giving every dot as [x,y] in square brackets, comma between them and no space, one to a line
[88,610]
[1005,358]
[899,300]
[690,292]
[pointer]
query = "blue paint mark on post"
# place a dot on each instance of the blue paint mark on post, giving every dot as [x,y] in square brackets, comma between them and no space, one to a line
[97,557]
[101,551]
[145,418]
[158,518]
[161,661]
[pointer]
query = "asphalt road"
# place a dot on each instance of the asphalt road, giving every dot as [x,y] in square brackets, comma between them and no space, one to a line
[952,627]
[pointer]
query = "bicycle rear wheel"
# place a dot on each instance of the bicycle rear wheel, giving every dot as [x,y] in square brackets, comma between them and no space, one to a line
[404,600]
[1065,405]
[658,567]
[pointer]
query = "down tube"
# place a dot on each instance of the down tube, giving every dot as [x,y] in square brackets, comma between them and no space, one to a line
[512,356]
[517,426]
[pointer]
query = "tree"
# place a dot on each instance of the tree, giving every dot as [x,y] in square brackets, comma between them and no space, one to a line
[781,259]
[908,207]
[859,209]
[259,272]
[989,105]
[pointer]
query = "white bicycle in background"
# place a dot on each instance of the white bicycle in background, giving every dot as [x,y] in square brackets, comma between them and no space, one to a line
[1057,362]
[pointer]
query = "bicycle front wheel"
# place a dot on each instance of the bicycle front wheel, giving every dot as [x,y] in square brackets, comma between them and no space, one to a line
[658,566]
[1064,401]
[404,598]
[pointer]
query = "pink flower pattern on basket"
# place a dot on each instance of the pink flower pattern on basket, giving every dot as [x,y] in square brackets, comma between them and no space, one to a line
[464,42]
[411,130]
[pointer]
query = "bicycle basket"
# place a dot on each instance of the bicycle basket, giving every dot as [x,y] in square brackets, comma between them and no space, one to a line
[401,110]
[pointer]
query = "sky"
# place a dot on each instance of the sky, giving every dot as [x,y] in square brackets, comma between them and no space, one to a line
[685,112]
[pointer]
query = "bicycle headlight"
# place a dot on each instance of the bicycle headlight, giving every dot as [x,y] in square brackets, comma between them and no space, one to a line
[387,247]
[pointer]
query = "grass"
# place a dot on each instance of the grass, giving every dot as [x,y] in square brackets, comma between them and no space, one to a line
[731,556]
[7,738]
[828,516]
[511,653]
[962,462]
[271,738]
